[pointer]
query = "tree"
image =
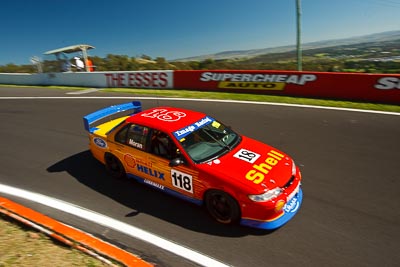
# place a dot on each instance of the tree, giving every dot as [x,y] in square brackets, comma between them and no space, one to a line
[117,62]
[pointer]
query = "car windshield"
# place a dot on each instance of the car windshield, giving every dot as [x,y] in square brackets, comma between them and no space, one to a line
[208,141]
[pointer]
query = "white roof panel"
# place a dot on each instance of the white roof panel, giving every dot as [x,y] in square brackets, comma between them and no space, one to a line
[70,49]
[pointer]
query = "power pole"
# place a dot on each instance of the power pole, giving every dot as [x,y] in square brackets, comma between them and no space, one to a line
[299,53]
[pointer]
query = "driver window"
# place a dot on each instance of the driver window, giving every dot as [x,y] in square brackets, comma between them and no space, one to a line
[137,136]
[162,145]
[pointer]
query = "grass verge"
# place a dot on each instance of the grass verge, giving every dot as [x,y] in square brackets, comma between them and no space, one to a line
[22,246]
[259,98]
[240,97]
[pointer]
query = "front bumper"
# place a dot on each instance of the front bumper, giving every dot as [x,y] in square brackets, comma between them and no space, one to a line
[290,209]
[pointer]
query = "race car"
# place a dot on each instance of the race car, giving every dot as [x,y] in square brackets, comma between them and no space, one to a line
[195,157]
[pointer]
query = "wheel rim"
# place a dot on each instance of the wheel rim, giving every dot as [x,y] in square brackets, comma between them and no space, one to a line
[221,208]
[114,167]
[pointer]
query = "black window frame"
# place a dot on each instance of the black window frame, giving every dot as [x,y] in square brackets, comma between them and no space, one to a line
[125,140]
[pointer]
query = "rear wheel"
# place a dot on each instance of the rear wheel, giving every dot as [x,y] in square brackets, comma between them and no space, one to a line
[114,166]
[222,207]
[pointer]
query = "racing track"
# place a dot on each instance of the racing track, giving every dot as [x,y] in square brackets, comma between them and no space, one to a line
[349,160]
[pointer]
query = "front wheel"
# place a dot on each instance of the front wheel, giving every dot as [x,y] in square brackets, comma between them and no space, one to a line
[222,207]
[114,167]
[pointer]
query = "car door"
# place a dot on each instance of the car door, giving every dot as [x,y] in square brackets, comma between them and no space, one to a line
[180,180]
[146,154]
[131,145]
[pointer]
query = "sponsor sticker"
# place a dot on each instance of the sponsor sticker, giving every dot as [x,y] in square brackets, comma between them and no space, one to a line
[247,155]
[182,180]
[258,172]
[150,171]
[261,78]
[154,184]
[99,142]
[193,127]
[252,85]
[130,160]
[292,205]
[388,83]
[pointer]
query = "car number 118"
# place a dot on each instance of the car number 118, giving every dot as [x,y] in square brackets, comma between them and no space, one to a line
[182,180]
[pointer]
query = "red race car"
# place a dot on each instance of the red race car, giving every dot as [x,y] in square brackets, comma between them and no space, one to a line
[195,157]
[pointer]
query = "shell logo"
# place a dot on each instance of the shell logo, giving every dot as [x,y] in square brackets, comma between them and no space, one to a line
[130,160]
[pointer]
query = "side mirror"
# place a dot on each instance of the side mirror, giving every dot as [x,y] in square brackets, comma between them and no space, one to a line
[176,162]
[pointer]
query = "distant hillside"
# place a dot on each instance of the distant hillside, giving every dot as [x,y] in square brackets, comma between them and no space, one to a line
[381,37]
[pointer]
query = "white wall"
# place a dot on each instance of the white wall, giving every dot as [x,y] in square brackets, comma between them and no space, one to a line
[21,79]
[128,79]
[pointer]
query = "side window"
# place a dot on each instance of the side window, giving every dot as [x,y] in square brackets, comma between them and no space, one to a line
[120,137]
[162,145]
[137,137]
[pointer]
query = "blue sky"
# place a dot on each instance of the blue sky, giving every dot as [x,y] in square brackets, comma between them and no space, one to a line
[181,28]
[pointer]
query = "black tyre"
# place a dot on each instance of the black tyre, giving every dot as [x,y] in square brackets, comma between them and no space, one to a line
[222,207]
[114,167]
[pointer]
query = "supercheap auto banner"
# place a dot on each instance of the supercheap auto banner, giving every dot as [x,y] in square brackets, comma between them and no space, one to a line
[350,86]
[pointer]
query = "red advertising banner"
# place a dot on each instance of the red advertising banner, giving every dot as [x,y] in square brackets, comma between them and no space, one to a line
[139,79]
[382,88]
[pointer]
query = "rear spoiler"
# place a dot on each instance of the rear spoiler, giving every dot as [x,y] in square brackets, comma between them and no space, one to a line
[98,116]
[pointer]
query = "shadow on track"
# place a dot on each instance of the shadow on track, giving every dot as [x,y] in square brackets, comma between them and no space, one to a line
[143,199]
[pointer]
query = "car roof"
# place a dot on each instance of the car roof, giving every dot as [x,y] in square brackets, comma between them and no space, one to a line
[166,119]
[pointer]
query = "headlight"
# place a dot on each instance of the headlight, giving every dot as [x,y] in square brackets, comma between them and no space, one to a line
[267,196]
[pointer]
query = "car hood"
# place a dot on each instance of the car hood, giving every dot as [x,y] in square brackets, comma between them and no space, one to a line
[253,165]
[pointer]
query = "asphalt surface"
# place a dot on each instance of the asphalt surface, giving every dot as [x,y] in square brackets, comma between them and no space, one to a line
[349,160]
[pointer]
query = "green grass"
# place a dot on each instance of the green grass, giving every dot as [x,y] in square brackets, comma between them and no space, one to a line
[22,246]
[242,97]
[259,98]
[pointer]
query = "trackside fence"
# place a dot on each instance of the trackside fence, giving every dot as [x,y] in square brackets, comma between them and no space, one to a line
[382,88]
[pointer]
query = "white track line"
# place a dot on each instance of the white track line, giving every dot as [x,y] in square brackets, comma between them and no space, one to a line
[201,100]
[127,229]
[81,92]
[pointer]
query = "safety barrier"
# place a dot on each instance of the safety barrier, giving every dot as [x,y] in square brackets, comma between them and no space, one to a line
[346,86]
[382,88]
